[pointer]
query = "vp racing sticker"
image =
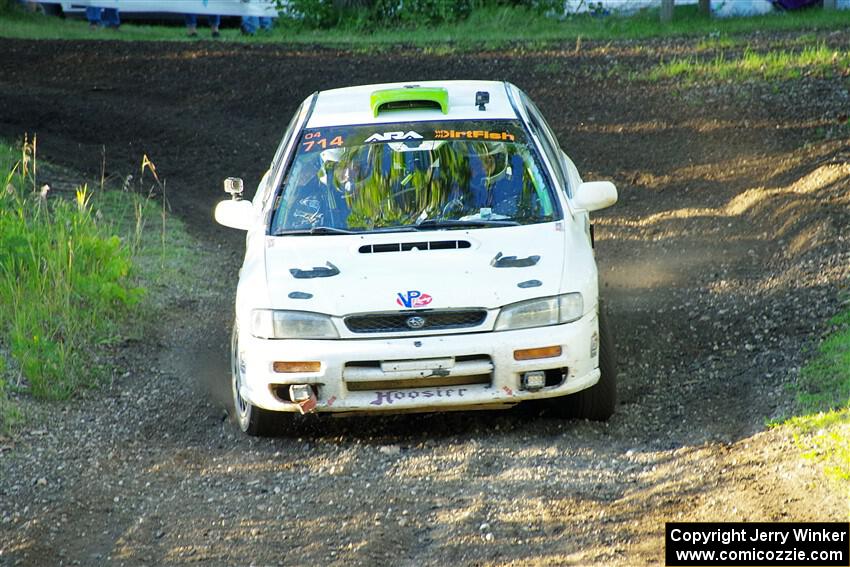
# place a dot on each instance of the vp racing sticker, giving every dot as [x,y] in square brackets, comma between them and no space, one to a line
[413,298]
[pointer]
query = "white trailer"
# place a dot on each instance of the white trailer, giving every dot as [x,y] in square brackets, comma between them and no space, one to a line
[265,8]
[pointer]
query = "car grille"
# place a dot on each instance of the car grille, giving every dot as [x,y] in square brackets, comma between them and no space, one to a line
[365,375]
[398,322]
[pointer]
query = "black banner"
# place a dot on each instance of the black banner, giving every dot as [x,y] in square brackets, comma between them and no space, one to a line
[413,134]
[761,544]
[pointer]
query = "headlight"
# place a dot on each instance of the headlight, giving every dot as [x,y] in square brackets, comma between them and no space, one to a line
[268,324]
[541,312]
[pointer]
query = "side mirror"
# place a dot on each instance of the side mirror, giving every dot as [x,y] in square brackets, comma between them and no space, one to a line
[236,214]
[595,195]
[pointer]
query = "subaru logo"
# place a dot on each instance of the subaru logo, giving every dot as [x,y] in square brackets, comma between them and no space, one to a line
[415,322]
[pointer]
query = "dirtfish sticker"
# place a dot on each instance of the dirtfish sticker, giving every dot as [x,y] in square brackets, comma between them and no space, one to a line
[473,135]
[413,298]
[393,396]
[393,136]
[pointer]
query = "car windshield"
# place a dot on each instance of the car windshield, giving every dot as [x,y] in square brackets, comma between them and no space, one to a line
[413,176]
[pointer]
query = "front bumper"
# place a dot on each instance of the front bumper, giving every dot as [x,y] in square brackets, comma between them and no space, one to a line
[471,370]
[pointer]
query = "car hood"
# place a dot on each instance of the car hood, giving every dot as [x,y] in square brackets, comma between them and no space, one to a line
[344,274]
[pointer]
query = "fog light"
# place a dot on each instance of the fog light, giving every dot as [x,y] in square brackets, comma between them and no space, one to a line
[303,395]
[287,367]
[534,380]
[300,392]
[534,353]
[594,344]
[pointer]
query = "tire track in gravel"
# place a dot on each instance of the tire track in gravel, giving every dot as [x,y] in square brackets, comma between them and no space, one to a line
[711,312]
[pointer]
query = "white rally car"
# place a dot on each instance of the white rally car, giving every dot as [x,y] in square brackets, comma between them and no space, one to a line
[418,247]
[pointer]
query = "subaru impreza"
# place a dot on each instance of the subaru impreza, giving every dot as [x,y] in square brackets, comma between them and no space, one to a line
[418,247]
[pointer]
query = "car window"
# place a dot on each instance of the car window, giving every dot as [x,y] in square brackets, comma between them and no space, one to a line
[572,172]
[413,176]
[547,138]
[277,160]
[278,156]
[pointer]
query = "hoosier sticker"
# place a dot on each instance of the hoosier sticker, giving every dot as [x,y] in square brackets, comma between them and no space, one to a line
[392,396]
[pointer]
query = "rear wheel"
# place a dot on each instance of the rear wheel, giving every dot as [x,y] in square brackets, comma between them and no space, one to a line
[598,402]
[252,420]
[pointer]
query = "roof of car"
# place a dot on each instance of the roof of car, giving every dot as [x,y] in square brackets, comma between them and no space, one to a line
[354,105]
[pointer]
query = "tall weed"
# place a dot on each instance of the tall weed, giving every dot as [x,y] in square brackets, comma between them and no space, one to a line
[64,282]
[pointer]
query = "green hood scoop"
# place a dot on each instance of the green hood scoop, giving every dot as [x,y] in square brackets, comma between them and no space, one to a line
[408,98]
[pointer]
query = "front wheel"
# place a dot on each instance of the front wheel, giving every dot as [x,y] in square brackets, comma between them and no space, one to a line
[598,402]
[252,420]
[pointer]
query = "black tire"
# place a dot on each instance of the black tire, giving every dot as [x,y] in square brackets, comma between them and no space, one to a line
[598,402]
[252,420]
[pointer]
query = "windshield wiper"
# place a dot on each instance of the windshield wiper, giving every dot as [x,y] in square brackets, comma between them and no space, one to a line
[322,230]
[456,223]
[316,230]
[402,228]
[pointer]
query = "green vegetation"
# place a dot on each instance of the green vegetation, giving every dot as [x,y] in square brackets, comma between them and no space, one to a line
[72,272]
[487,27]
[818,61]
[372,13]
[823,427]
[717,42]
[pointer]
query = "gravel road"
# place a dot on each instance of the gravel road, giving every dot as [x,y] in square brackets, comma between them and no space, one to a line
[721,264]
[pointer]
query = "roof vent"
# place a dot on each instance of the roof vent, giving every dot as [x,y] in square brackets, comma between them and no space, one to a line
[410,98]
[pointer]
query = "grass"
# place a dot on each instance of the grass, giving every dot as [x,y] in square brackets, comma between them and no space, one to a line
[717,41]
[73,273]
[822,428]
[817,61]
[485,28]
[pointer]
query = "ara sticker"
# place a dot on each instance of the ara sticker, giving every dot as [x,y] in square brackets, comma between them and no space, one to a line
[393,136]
[413,298]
